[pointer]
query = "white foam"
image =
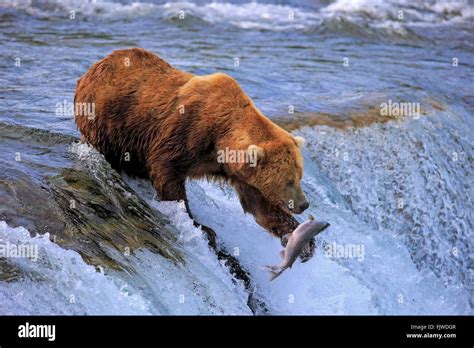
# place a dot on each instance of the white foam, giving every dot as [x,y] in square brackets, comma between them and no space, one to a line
[60,282]
[254,15]
[387,281]
[371,15]
[325,285]
[65,8]
[406,181]
[251,15]
[153,284]
[420,11]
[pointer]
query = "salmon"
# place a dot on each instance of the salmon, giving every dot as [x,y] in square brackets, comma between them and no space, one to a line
[298,239]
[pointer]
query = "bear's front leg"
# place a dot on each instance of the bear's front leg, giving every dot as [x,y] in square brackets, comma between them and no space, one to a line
[272,218]
[168,185]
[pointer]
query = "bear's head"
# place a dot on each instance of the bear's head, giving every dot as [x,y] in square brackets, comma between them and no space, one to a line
[277,173]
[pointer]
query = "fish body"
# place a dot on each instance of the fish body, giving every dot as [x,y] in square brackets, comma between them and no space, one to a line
[298,239]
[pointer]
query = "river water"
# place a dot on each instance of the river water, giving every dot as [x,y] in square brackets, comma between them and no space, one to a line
[397,189]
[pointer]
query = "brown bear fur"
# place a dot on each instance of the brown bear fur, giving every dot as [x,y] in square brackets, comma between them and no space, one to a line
[154,121]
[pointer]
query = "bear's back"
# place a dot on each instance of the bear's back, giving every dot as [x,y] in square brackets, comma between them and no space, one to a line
[129,90]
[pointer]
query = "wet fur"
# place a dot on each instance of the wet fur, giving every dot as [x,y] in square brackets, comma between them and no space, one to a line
[137,111]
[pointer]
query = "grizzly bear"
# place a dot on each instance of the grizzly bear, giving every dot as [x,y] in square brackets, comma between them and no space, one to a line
[153,121]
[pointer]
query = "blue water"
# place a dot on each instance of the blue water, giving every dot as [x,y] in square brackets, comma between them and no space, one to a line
[402,189]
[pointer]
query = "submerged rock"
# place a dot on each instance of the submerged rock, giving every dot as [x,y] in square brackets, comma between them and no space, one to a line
[9,272]
[80,209]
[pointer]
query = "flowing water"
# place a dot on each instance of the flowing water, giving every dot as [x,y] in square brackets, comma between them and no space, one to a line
[397,188]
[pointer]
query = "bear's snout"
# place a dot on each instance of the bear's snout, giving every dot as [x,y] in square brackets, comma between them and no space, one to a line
[298,209]
[296,200]
[304,206]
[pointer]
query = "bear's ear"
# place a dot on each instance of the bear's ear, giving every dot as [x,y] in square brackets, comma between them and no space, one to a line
[300,142]
[256,149]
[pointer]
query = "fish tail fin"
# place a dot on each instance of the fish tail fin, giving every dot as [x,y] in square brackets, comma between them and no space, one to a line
[275,271]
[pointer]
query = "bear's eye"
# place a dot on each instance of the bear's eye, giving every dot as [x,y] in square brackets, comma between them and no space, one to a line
[290,183]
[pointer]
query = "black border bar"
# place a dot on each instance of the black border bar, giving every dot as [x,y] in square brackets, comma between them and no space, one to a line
[195,330]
